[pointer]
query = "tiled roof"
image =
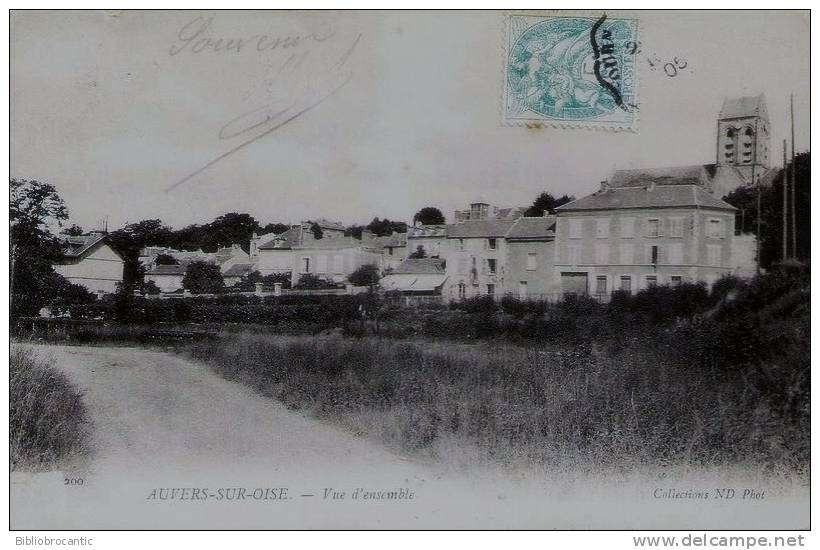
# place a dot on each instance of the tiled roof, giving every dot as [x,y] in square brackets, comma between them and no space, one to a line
[532,228]
[76,246]
[479,228]
[512,213]
[391,241]
[238,270]
[659,196]
[675,175]
[420,231]
[287,239]
[737,107]
[418,266]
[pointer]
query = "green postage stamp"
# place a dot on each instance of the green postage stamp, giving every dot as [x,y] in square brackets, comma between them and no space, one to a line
[571,71]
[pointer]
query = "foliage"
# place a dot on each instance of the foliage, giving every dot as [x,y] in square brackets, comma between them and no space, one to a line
[73,231]
[429,215]
[545,202]
[203,278]
[275,228]
[309,281]
[248,282]
[366,275]
[385,227]
[771,208]
[34,208]
[48,422]
[165,259]
[316,231]
[419,253]
[150,288]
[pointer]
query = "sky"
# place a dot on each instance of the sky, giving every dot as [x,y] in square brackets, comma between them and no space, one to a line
[349,116]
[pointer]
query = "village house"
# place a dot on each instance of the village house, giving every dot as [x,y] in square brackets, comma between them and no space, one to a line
[274,253]
[393,248]
[332,259]
[431,239]
[645,228]
[90,261]
[529,270]
[233,262]
[416,281]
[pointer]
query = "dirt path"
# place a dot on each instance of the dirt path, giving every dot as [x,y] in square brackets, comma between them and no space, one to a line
[162,422]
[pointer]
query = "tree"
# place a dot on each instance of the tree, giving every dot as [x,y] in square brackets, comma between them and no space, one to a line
[355,231]
[771,213]
[429,215]
[165,259]
[546,202]
[229,229]
[366,275]
[419,253]
[129,240]
[275,228]
[203,278]
[382,228]
[316,229]
[73,231]
[34,208]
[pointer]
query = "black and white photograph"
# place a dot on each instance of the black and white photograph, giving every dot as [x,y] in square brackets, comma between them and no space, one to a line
[410,270]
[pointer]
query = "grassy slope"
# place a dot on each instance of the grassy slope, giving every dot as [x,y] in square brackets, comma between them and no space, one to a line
[47,419]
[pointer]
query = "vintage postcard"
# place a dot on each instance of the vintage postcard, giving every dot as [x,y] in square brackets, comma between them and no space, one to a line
[526,270]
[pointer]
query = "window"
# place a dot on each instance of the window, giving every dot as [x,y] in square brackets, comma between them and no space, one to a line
[491,265]
[522,289]
[575,228]
[305,265]
[573,254]
[491,289]
[601,254]
[600,284]
[676,227]
[626,283]
[675,280]
[492,244]
[627,253]
[627,228]
[676,253]
[531,265]
[390,251]
[602,228]
[654,253]
[461,244]
[653,226]
[651,281]
[715,228]
[462,290]
[321,264]
[338,264]
[712,254]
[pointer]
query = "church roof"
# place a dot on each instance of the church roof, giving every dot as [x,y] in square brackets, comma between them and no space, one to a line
[695,174]
[740,107]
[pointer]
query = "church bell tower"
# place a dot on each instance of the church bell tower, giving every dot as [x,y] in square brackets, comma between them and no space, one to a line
[743,137]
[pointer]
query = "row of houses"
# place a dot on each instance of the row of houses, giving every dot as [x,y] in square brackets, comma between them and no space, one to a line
[642,227]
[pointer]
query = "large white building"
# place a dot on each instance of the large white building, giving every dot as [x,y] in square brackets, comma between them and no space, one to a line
[90,261]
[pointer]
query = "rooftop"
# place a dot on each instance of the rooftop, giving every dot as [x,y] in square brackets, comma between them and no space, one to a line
[740,107]
[527,229]
[420,266]
[479,228]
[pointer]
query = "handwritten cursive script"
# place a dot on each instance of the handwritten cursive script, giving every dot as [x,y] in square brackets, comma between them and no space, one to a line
[196,37]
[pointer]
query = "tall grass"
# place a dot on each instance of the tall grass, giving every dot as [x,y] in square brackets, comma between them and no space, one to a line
[48,423]
[513,405]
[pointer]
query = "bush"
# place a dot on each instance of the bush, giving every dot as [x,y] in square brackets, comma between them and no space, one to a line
[203,278]
[366,275]
[48,422]
[309,281]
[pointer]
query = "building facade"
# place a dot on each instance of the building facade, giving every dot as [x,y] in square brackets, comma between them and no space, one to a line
[662,227]
[90,262]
